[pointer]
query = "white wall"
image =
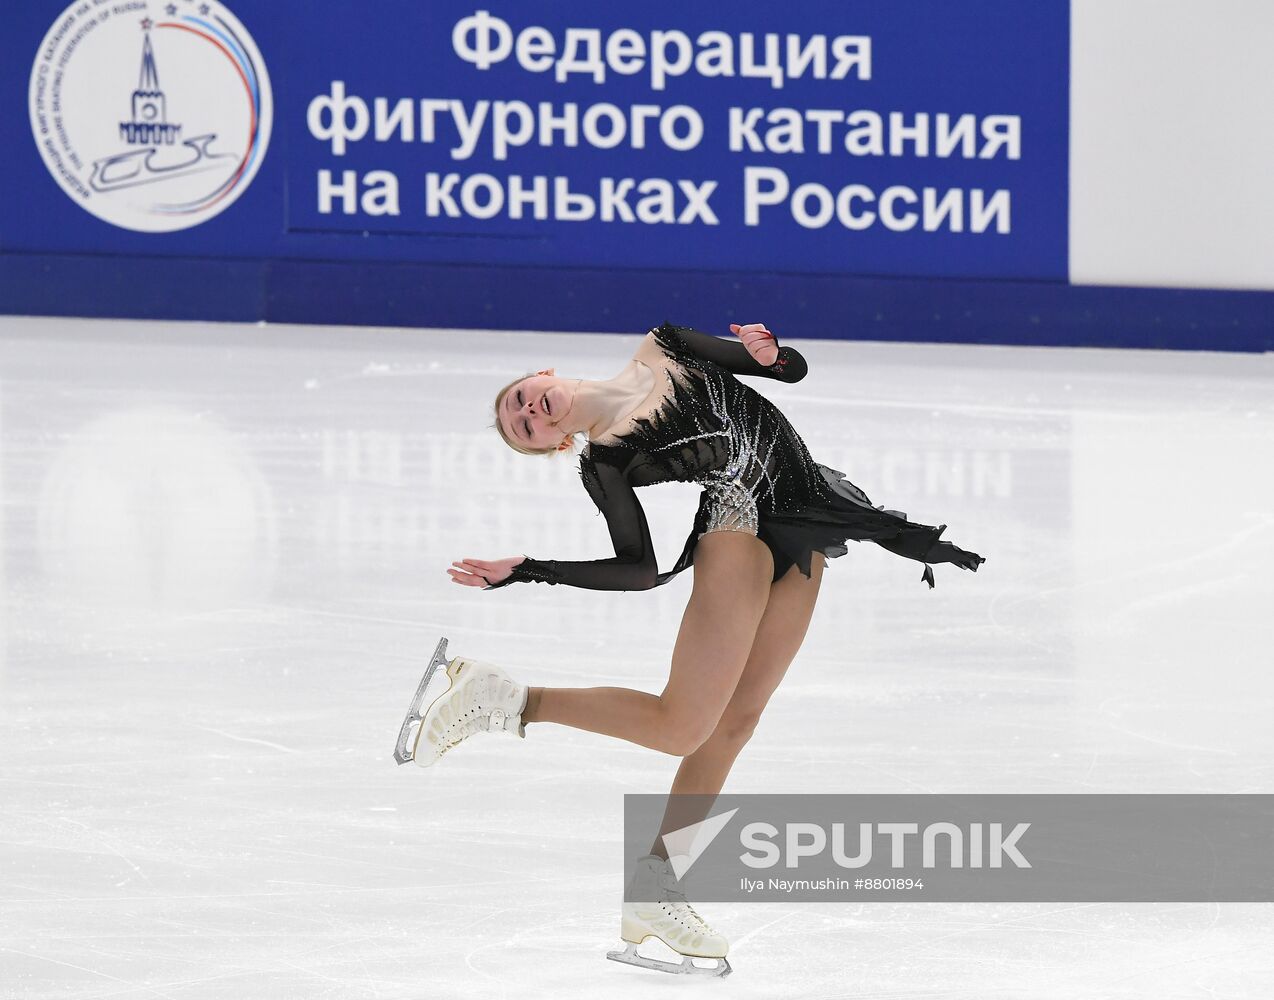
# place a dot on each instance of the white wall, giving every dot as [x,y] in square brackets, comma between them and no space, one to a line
[1172,143]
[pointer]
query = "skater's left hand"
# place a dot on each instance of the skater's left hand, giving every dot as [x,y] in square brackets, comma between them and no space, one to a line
[759,342]
[483,572]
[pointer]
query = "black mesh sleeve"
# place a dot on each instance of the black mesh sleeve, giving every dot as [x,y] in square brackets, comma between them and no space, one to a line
[633,566]
[733,355]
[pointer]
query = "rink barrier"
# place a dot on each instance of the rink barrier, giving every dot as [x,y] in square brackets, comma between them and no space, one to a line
[599,300]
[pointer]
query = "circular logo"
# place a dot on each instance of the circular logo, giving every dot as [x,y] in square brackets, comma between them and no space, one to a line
[152,116]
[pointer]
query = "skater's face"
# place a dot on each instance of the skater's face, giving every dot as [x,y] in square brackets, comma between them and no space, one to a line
[533,408]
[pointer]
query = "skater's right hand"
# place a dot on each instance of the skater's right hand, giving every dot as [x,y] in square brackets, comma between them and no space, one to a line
[483,572]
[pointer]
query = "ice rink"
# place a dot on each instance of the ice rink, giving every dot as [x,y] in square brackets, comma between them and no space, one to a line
[224,553]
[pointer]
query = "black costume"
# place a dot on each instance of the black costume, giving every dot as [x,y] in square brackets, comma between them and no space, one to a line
[757,475]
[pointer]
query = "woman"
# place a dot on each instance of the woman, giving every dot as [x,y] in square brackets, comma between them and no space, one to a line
[768,517]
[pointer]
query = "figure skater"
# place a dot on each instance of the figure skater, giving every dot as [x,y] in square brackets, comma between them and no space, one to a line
[768,518]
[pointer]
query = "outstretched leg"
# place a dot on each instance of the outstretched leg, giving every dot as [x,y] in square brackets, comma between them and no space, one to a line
[732,574]
[777,639]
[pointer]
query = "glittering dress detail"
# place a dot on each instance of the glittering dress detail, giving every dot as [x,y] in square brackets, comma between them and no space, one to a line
[757,477]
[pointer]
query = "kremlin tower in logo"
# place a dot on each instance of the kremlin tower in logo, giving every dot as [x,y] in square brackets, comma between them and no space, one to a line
[149,126]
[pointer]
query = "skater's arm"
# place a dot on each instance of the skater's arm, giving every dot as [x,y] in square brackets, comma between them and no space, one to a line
[633,566]
[733,355]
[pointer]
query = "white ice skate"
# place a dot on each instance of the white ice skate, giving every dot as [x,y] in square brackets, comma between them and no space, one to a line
[480,697]
[669,918]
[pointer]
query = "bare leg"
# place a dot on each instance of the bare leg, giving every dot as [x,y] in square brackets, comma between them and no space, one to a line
[732,575]
[777,640]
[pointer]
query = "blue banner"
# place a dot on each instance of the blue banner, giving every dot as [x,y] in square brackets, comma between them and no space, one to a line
[912,138]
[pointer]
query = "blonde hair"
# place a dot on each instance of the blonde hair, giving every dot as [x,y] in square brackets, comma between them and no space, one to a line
[513,443]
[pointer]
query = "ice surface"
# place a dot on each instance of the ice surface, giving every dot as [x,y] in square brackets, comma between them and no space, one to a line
[224,554]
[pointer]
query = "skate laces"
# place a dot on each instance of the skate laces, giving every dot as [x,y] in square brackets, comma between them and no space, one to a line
[685,914]
[470,720]
[676,901]
[699,921]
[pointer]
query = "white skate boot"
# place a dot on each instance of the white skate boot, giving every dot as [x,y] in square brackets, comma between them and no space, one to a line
[666,915]
[480,697]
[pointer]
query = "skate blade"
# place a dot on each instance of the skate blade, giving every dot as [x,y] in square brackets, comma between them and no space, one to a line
[631,956]
[404,749]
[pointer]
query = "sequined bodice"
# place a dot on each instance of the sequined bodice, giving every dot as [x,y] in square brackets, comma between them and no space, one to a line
[708,428]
